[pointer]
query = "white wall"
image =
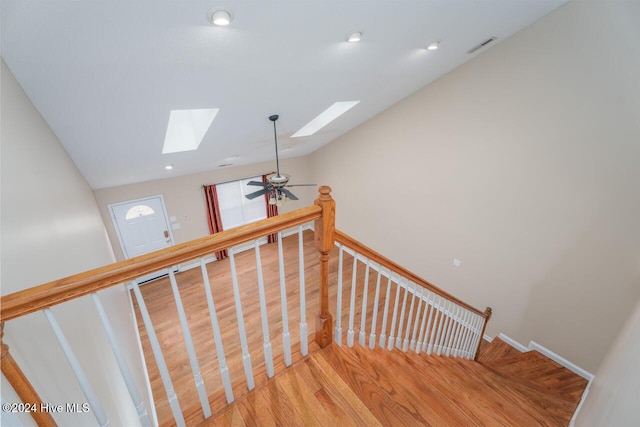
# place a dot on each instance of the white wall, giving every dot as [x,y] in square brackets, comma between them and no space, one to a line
[51,228]
[524,164]
[184,196]
[614,395]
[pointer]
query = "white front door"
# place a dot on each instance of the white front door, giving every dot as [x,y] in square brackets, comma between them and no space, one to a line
[142,227]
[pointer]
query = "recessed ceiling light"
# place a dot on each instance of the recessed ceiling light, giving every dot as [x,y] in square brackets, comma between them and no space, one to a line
[168,167]
[326,117]
[187,128]
[354,36]
[434,46]
[221,18]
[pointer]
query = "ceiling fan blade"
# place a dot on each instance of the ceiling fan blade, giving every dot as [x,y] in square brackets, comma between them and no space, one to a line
[258,193]
[258,183]
[302,185]
[289,194]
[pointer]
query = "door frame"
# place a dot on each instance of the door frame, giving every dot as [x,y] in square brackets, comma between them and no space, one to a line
[117,229]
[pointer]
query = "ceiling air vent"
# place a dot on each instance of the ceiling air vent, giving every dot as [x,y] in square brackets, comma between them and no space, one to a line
[481,45]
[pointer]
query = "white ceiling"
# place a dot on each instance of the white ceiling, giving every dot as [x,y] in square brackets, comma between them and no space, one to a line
[106,74]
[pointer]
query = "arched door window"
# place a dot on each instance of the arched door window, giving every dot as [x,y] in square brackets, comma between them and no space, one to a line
[138,211]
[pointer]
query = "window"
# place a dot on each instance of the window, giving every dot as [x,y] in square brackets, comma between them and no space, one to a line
[139,210]
[235,209]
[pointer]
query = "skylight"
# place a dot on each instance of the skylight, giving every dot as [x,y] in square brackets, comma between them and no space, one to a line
[326,117]
[187,128]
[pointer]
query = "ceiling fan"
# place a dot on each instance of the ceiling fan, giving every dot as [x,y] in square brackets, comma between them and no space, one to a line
[276,184]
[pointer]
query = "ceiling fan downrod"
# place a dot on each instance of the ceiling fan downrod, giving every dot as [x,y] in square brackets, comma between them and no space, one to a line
[273,118]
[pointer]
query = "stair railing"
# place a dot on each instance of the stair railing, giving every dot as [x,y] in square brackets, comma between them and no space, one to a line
[43,297]
[415,314]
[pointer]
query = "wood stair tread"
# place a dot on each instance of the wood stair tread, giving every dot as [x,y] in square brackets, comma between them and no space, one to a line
[496,350]
[487,397]
[339,385]
[489,381]
[540,371]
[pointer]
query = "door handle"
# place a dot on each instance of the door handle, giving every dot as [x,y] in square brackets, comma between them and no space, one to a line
[166,234]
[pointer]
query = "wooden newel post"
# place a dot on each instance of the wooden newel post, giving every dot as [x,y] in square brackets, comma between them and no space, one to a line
[487,314]
[325,239]
[22,386]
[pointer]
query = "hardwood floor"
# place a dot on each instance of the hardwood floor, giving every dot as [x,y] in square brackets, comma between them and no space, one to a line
[160,303]
[359,386]
[336,385]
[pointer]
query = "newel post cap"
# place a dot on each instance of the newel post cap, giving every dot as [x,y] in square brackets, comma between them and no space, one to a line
[325,193]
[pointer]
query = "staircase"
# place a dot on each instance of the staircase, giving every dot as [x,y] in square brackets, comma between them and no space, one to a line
[389,348]
[359,386]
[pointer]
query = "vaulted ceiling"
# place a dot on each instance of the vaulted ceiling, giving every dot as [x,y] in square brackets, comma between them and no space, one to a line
[105,75]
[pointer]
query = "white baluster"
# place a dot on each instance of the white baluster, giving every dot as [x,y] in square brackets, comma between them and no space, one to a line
[447,334]
[372,336]
[405,343]
[404,307]
[467,339]
[383,330]
[157,354]
[304,335]
[463,335]
[246,357]
[454,332]
[445,339]
[435,337]
[363,314]
[191,350]
[477,336]
[352,302]
[412,343]
[286,338]
[460,341]
[217,336]
[472,336]
[453,324]
[338,328]
[433,318]
[92,399]
[122,364]
[268,355]
[425,314]
[445,327]
[461,330]
[393,320]
[427,331]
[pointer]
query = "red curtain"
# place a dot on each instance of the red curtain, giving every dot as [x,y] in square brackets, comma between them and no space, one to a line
[213,215]
[272,210]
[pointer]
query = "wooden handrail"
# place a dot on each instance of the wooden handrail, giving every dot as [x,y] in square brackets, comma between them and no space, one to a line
[387,263]
[58,291]
[22,386]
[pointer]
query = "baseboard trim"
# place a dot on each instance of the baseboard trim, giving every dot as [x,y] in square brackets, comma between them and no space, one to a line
[561,360]
[487,338]
[548,353]
[513,343]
